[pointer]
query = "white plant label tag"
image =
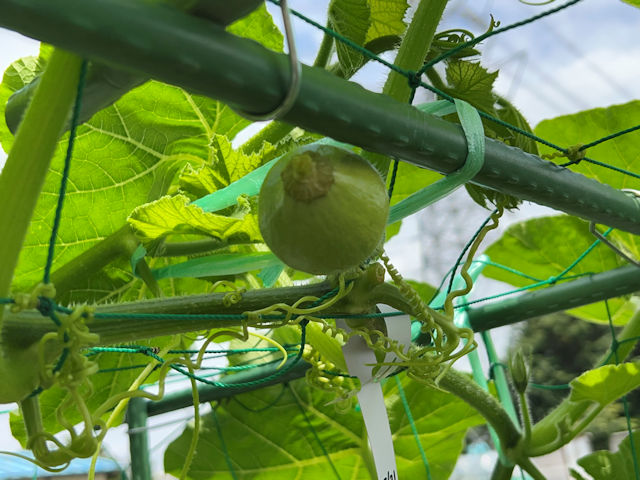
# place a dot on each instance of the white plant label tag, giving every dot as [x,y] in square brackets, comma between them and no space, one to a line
[360,358]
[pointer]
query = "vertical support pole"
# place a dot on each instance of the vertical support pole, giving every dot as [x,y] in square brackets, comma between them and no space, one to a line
[500,378]
[138,440]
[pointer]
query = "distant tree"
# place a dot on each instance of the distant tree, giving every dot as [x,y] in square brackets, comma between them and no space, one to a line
[560,347]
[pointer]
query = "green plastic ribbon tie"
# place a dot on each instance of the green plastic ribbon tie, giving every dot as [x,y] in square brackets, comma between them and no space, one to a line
[218,265]
[270,275]
[474,132]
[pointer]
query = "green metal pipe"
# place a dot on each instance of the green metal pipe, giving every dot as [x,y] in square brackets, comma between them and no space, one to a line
[138,439]
[252,380]
[562,296]
[176,48]
[105,84]
[499,377]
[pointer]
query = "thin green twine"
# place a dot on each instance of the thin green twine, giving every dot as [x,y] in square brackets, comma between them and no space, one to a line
[65,173]
[223,445]
[550,281]
[149,352]
[414,78]
[315,434]
[261,409]
[46,305]
[486,35]
[625,403]
[407,410]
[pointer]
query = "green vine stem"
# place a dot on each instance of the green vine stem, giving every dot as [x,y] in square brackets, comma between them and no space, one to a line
[461,386]
[324,52]
[414,47]
[411,54]
[195,247]
[367,455]
[568,419]
[121,242]
[528,466]
[526,416]
[501,471]
[23,329]
[28,161]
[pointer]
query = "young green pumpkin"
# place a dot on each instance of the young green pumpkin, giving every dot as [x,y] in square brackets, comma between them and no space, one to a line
[323,209]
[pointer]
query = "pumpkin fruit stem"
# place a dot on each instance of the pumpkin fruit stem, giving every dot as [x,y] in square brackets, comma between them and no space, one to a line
[307,176]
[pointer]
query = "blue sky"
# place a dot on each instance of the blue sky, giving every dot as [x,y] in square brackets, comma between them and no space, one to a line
[579,58]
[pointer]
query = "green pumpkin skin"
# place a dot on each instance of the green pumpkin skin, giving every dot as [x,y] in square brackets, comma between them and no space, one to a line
[323,209]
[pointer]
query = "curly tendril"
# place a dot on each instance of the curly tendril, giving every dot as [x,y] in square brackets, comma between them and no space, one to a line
[574,153]
[30,301]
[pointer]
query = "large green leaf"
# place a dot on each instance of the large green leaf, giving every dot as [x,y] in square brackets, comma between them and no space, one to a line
[351,19]
[174,215]
[606,384]
[410,179]
[124,156]
[227,166]
[605,465]
[17,75]
[543,248]
[259,26]
[373,24]
[620,152]
[471,82]
[591,125]
[278,442]
[387,19]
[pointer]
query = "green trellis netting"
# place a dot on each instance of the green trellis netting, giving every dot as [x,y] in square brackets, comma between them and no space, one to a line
[205,279]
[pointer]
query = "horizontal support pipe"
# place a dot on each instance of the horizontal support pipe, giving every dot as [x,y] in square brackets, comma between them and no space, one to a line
[562,296]
[251,380]
[27,327]
[104,84]
[202,57]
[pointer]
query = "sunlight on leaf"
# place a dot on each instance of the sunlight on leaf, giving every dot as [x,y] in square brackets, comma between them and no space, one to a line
[259,26]
[227,166]
[174,215]
[126,155]
[606,384]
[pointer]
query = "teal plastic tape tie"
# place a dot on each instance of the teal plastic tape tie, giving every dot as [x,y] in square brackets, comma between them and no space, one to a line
[218,265]
[474,132]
